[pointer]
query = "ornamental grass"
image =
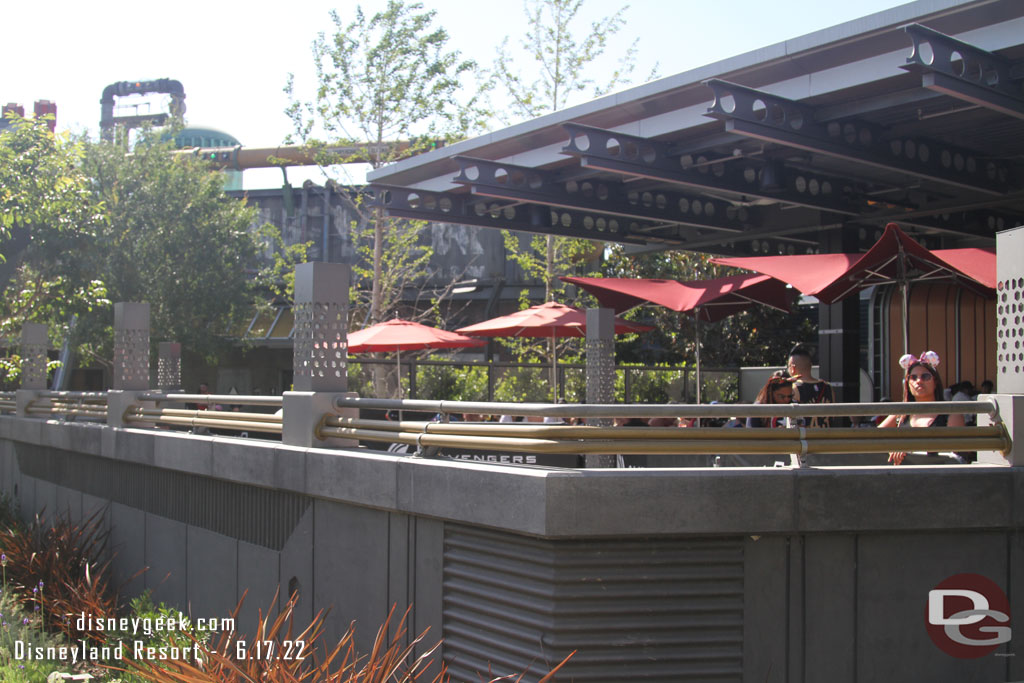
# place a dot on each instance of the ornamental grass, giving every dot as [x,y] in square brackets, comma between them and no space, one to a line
[58,570]
[277,654]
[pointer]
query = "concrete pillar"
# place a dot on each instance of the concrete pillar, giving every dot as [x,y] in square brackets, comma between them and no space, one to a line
[131,346]
[1010,312]
[131,359]
[600,371]
[320,353]
[35,341]
[168,368]
[1011,412]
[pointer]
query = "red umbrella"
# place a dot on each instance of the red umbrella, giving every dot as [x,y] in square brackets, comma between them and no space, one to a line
[548,320]
[404,335]
[707,300]
[894,258]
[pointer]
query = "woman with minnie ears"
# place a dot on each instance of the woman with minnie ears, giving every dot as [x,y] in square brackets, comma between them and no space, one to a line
[921,383]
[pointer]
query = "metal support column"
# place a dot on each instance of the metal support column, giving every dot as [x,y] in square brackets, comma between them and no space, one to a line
[600,370]
[320,353]
[839,332]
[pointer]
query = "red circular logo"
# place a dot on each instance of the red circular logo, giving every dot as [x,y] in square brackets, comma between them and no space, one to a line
[967,616]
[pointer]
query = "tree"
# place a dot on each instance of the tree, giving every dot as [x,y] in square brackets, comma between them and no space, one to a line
[175,240]
[390,83]
[48,220]
[559,58]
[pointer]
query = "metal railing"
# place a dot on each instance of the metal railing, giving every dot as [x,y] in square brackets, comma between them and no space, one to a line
[610,440]
[8,404]
[69,405]
[211,417]
[170,410]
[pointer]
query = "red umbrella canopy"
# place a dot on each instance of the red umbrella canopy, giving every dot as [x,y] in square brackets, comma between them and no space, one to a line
[545,320]
[978,264]
[711,300]
[405,335]
[894,258]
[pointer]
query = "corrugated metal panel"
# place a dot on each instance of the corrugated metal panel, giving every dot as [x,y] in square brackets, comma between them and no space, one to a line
[260,516]
[652,610]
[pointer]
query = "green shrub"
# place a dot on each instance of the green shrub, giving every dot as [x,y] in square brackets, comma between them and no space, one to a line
[451,382]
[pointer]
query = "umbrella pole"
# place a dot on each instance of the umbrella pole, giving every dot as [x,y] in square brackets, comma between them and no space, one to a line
[696,333]
[554,367]
[904,287]
[398,361]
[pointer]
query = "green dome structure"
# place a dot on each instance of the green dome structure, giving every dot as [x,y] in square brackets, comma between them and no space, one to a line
[198,136]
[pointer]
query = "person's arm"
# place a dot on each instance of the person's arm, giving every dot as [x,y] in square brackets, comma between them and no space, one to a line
[895,457]
[890,421]
[955,421]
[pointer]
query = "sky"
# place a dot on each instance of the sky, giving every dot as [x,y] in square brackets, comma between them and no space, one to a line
[233,58]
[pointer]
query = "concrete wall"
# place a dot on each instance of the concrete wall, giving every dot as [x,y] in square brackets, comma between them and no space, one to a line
[661,574]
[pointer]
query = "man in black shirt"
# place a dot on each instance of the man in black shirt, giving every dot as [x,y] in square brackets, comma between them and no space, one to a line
[809,388]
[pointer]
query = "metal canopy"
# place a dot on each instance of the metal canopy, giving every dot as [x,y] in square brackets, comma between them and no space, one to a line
[913,115]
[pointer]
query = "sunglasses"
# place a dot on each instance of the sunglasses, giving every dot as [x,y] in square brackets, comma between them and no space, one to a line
[923,377]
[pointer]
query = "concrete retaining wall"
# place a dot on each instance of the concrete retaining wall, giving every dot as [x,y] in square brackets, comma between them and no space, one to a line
[666,575]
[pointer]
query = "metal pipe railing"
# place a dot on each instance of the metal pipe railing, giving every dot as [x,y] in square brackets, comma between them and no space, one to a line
[74,395]
[587,410]
[215,419]
[231,399]
[555,431]
[589,440]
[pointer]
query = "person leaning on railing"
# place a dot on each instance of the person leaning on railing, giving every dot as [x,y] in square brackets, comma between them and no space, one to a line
[778,389]
[921,383]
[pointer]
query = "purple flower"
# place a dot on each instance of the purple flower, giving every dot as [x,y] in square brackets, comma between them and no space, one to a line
[3,559]
[40,583]
[25,621]
[35,590]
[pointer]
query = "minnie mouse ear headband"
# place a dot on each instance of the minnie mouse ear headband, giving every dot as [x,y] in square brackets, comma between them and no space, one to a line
[928,358]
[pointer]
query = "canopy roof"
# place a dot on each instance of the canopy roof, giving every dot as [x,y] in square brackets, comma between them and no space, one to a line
[709,299]
[405,335]
[895,258]
[805,146]
[548,320]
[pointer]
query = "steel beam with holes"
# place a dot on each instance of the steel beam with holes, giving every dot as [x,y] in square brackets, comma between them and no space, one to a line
[445,207]
[971,223]
[762,116]
[639,157]
[978,76]
[520,183]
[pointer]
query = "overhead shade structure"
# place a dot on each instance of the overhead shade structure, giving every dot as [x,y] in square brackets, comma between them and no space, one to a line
[894,259]
[397,335]
[550,320]
[707,300]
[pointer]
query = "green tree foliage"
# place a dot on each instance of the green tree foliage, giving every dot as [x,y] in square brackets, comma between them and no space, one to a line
[752,337]
[557,58]
[175,240]
[48,220]
[388,84]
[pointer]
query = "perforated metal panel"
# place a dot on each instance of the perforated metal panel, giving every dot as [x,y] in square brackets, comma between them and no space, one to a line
[34,342]
[321,322]
[131,346]
[168,372]
[638,609]
[1010,311]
